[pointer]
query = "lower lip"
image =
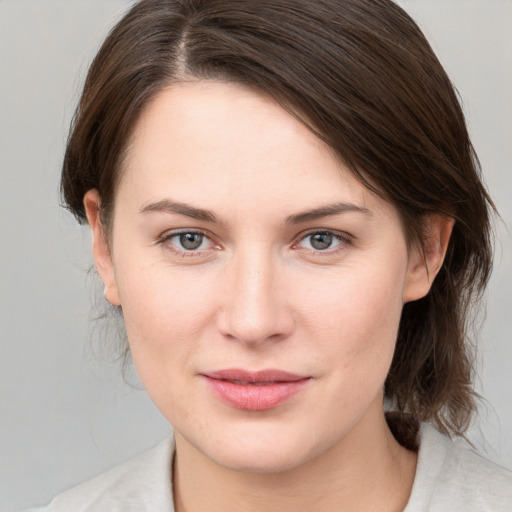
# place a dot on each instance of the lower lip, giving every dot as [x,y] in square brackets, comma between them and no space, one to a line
[255,397]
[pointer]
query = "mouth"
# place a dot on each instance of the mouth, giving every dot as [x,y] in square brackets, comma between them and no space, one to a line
[255,391]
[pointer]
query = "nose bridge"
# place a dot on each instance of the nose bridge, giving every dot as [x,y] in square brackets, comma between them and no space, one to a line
[255,309]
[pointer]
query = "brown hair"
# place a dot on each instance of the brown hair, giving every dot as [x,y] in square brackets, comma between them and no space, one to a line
[361,75]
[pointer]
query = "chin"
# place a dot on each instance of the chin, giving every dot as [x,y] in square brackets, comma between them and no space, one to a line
[270,458]
[258,447]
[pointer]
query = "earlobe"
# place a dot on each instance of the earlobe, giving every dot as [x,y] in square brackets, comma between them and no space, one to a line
[426,258]
[100,248]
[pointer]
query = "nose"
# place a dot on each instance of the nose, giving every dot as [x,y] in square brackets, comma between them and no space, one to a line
[256,307]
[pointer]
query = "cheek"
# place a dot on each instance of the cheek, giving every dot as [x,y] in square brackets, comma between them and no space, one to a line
[165,311]
[165,314]
[357,322]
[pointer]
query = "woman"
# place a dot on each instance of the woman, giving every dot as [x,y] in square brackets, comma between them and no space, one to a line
[287,211]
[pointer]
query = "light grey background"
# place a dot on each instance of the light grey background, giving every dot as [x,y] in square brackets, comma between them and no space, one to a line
[66,413]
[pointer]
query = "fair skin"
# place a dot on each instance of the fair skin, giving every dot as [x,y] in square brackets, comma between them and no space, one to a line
[289,264]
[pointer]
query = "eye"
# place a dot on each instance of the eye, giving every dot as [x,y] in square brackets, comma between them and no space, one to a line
[191,242]
[321,241]
[326,241]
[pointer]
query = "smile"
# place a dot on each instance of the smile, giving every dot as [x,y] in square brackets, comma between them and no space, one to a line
[257,391]
[245,383]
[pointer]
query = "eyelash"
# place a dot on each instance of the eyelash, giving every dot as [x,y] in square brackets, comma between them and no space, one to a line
[344,240]
[183,253]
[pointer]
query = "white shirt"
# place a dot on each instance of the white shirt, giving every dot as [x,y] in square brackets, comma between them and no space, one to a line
[449,478]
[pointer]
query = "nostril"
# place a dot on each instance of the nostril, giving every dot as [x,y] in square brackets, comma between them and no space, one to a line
[256,327]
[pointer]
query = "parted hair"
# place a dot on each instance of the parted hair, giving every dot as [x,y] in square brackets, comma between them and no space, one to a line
[361,75]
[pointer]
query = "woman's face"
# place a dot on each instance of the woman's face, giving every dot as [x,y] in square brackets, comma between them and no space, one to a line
[261,284]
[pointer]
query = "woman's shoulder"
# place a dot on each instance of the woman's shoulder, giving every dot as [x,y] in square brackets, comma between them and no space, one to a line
[142,483]
[453,477]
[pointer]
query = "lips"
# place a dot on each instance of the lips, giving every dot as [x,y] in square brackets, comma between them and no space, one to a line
[254,391]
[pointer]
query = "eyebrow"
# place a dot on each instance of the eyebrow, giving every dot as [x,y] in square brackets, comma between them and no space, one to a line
[326,211]
[168,206]
[187,210]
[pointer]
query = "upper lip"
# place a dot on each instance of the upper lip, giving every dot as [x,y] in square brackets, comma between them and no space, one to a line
[245,376]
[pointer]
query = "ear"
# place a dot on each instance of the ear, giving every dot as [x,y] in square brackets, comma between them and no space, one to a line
[426,257]
[100,248]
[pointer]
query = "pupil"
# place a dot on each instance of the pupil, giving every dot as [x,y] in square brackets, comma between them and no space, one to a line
[321,241]
[191,241]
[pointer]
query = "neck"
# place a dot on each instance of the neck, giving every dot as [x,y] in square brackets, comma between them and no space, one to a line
[365,470]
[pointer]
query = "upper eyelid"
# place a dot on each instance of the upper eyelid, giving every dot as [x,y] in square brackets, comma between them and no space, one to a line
[335,232]
[167,235]
[175,232]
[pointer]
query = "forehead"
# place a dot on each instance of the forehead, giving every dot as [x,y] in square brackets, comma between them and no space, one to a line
[206,139]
